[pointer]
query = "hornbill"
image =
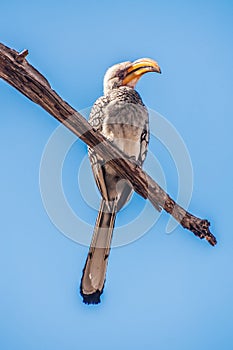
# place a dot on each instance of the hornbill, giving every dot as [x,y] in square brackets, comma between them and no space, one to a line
[121,116]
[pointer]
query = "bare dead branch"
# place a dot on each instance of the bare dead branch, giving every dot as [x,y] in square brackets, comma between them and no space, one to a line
[15,70]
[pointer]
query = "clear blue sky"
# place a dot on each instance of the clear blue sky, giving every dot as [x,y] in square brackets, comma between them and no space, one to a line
[162,291]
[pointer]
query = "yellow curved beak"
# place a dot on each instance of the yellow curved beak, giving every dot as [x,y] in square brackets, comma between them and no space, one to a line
[140,67]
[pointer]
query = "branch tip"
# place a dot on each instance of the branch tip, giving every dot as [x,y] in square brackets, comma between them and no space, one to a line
[21,55]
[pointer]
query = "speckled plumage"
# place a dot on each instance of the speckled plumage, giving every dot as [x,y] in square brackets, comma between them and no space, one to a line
[123,118]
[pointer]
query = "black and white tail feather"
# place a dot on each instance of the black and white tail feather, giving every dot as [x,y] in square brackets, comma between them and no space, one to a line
[94,272]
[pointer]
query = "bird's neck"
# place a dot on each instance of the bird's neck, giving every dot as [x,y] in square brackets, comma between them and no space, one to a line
[109,88]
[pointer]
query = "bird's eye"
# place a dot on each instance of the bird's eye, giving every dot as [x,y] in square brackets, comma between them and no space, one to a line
[121,74]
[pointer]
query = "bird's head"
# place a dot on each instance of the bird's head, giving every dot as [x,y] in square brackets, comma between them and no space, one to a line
[128,73]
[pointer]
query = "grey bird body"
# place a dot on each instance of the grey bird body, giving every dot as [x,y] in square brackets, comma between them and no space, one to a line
[120,116]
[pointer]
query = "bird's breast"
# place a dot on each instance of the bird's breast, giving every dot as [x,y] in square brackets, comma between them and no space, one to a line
[123,125]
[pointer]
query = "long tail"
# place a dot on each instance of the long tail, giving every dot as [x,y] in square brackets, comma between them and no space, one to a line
[93,278]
